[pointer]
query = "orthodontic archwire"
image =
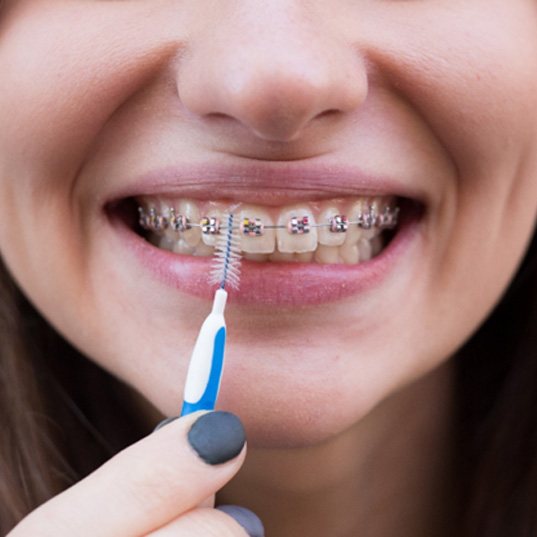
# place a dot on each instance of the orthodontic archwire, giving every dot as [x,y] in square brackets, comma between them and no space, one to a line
[338,223]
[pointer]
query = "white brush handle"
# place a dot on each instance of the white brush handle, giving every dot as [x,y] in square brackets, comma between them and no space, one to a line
[207,361]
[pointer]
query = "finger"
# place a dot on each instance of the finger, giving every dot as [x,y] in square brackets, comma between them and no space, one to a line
[208,502]
[148,484]
[210,523]
[246,518]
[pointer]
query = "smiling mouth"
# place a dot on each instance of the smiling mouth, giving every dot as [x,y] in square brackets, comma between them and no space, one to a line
[348,230]
[358,229]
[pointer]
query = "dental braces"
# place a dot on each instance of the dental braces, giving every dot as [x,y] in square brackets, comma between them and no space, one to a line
[151,220]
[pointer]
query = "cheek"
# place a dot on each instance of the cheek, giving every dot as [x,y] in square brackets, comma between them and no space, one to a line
[470,69]
[66,69]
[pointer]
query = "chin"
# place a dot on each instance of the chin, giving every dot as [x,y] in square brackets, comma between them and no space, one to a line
[306,418]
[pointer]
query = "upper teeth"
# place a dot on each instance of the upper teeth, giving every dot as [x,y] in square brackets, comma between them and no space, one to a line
[253,227]
[297,229]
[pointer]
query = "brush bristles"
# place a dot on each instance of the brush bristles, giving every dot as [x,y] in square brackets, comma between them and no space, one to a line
[226,267]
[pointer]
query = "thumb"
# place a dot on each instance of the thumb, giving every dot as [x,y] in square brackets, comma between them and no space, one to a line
[149,484]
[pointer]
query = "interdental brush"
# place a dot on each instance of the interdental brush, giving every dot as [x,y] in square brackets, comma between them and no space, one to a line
[207,361]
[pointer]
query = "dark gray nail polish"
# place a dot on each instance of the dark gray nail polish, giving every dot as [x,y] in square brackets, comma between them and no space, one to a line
[217,437]
[246,518]
[165,422]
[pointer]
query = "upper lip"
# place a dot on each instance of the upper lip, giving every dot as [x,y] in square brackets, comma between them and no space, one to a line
[264,183]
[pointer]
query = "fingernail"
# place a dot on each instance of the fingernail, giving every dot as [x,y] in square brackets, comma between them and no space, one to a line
[165,422]
[217,437]
[246,518]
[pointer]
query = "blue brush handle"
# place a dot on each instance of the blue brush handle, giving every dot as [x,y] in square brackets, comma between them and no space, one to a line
[207,362]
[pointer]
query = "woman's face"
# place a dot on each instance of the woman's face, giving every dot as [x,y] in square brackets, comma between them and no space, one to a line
[198,105]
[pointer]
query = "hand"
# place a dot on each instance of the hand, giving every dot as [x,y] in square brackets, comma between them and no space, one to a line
[162,486]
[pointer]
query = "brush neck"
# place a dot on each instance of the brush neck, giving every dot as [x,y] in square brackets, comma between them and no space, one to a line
[220,299]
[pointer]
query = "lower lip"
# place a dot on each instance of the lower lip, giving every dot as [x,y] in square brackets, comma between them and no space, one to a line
[274,284]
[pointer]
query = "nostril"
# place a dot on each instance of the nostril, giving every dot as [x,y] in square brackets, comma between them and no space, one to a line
[274,127]
[328,113]
[218,115]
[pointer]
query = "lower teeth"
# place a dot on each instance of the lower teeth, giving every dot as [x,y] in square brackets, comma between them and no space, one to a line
[349,253]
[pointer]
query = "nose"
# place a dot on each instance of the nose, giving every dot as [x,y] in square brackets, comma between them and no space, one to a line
[274,77]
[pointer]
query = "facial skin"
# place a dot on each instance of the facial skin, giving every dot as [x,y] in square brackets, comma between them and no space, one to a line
[440,95]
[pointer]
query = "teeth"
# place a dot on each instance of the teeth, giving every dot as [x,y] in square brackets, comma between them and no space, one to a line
[261,244]
[189,238]
[354,233]
[366,252]
[327,232]
[327,254]
[163,242]
[280,257]
[214,214]
[300,237]
[327,237]
[305,258]
[157,219]
[349,253]
[376,245]
[370,209]
[203,249]
[181,247]
[260,258]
